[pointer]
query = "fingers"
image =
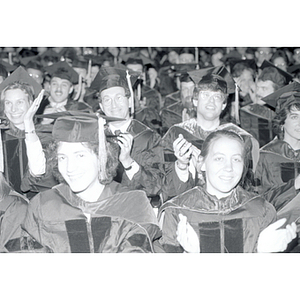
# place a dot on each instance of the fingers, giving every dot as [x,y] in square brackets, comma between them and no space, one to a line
[182,147]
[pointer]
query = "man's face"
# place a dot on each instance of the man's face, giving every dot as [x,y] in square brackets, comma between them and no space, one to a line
[37,75]
[263,89]
[223,166]
[245,82]
[16,105]
[173,57]
[114,103]
[186,93]
[263,53]
[78,165]
[186,58]
[216,59]
[210,105]
[280,63]
[292,126]
[60,89]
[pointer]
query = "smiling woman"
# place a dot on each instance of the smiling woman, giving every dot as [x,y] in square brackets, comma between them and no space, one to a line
[221,216]
[88,211]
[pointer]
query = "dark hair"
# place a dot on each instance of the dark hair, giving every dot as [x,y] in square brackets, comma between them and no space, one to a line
[111,164]
[281,116]
[272,74]
[239,68]
[247,175]
[211,82]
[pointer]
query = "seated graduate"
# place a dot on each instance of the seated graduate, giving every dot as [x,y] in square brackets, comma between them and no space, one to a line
[277,173]
[221,215]
[141,162]
[13,207]
[88,211]
[18,92]
[182,143]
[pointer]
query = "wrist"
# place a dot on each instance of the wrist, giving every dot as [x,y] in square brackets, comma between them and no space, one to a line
[182,165]
[127,166]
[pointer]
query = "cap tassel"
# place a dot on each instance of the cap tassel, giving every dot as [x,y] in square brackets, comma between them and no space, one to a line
[236,104]
[196,55]
[131,92]
[89,73]
[79,88]
[102,155]
[1,153]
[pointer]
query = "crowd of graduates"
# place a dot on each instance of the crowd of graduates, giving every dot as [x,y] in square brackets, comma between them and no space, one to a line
[150,149]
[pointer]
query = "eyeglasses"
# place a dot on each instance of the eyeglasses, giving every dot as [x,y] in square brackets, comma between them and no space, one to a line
[108,101]
[217,97]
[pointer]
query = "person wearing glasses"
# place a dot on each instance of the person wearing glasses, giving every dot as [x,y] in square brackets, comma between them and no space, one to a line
[183,142]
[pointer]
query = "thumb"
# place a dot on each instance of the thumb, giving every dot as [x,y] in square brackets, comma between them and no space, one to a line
[276,224]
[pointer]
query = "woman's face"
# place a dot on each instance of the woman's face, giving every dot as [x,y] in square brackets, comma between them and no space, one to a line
[291,126]
[223,166]
[78,165]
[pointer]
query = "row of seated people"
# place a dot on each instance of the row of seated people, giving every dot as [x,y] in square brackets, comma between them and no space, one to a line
[85,178]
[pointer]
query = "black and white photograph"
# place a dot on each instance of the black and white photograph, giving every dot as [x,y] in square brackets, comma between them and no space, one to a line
[149,147]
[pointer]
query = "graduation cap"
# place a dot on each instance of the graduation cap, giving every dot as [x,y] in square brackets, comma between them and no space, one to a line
[108,77]
[64,71]
[136,57]
[80,62]
[33,62]
[78,127]
[50,56]
[21,75]
[232,55]
[10,68]
[283,96]
[95,59]
[294,69]
[287,76]
[25,52]
[68,52]
[201,75]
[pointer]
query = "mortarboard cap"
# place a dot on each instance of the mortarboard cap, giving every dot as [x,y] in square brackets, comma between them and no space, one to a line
[68,52]
[95,59]
[10,68]
[50,56]
[25,52]
[287,76]
[294,69]
[76,126]
[136,57]
[108,77]
[232,55]
[21,75]
[80,62]
[33,62]
[64,71]
[181,71]
[83,127]
[202,75]
[283,96]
